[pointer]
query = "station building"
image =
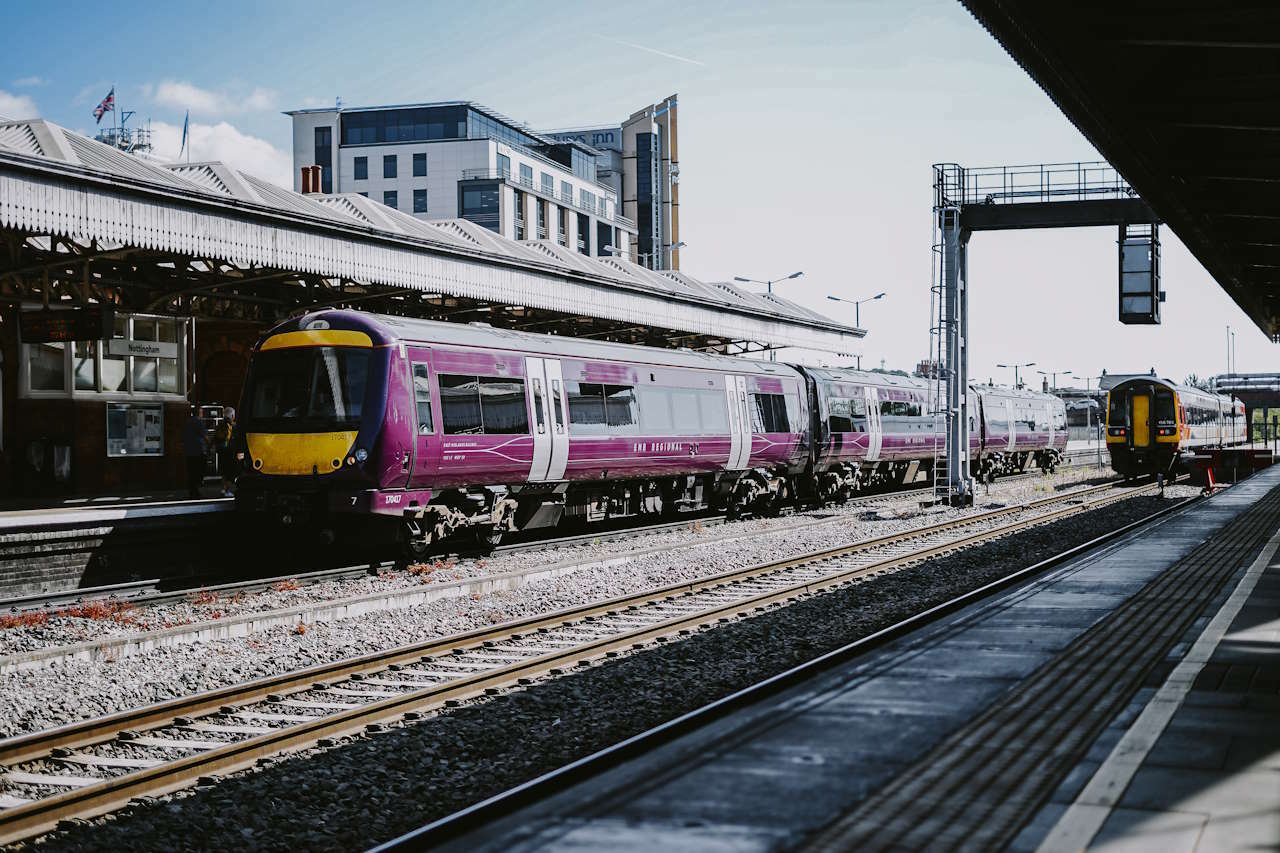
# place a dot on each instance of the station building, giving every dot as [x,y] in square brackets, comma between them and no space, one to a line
[640,160]
[180,268]
[462,160]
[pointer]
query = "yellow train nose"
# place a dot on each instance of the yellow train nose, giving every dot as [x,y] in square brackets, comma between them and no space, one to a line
[299,453]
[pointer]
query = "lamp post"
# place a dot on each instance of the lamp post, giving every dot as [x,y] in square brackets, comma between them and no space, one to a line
[768,285]
[1016,382]
[857,317]
[1054,374]
[667,248]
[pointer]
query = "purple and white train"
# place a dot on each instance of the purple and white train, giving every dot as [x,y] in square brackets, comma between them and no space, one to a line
[426,429]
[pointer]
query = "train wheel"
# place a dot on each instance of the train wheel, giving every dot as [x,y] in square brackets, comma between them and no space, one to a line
[416,547]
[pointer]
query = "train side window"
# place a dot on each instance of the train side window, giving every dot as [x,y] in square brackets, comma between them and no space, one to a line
[684,412]
[620,409]
[770,413]
[460,404]
[655,411]
[538,416]
[422,398]
[559,406]
[503,409]
[839,418]
[586,408]
[713,413]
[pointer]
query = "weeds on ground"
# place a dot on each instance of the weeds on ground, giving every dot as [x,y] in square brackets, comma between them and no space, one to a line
[286,586]
[34,619]
[100,611]
[203,596]
[300,629]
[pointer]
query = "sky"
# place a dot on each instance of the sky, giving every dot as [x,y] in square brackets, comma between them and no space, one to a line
[808,131]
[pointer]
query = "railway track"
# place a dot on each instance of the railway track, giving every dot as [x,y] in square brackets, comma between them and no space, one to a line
[156,591]
[90,768]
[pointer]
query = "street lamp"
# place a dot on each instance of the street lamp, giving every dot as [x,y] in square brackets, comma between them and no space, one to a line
[666,247]
[1016,382]
[857,318]
[768,284]
[1054,374]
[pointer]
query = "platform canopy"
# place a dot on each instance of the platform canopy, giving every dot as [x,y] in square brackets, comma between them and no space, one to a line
[81,221]
[1182,99]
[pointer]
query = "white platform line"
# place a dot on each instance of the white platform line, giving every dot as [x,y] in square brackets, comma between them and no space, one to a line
[1082,820]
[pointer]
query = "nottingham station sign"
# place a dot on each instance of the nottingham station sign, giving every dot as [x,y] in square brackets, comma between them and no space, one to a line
[70,324]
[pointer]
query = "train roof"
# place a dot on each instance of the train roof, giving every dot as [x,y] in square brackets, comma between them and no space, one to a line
[1016,393]
[1183,390]
[484,336]
[868,377]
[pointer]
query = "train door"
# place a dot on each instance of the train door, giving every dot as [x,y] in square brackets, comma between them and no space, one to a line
[426,450]
[739,423]
[1048,419]
[1013,425]
[1140,418]
[545,387]
[874,435]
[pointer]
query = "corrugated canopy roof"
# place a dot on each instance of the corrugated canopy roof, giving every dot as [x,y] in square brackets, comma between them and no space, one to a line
[234,216]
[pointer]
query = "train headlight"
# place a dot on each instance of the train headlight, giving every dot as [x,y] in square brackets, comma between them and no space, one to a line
[362,455]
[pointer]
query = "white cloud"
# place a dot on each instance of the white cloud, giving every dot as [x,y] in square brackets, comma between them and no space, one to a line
[185,96]
[28,82]
[17,106]
[224,142]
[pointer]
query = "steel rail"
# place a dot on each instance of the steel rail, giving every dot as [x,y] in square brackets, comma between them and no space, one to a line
[111,793]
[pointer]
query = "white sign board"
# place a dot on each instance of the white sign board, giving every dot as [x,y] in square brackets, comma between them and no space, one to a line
[154,349]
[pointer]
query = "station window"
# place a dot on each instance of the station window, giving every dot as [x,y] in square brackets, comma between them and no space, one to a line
[146,356]
[526,174]
[504,166]
[389,168]
[420,165]
[391,198]
[361,165]
[419,201]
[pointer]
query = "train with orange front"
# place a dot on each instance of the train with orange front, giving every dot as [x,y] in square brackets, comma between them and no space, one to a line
[1155,425]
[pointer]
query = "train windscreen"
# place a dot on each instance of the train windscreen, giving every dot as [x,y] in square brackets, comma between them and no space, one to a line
[309,389]
[1165,416]
[1116,414]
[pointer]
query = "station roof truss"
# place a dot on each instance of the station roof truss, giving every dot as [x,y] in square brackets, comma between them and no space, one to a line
[1181,98]
[81,222]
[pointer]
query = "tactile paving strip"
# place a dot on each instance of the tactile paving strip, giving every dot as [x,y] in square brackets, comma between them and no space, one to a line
[977,788]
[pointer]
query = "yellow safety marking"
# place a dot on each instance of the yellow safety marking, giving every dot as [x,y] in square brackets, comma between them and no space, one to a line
[318,338]
[299,452]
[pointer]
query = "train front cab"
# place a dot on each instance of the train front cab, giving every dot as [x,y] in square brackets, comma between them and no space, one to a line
[1143,428]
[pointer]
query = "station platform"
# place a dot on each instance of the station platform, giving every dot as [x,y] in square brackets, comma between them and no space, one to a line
[1126,700]
[106,509]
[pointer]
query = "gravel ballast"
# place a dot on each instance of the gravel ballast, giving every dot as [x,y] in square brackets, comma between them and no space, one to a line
[73,624]
[77,689]
[375,787]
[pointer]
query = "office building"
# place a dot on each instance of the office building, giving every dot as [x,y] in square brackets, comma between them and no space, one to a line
[461,160]
[639,159]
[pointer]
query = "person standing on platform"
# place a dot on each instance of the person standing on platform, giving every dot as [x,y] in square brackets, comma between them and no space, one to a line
[226,455]
[193,448]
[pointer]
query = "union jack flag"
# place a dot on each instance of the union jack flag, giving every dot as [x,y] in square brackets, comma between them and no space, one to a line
[107,105]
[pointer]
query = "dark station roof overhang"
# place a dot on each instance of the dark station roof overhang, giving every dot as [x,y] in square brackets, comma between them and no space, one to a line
[1184,99]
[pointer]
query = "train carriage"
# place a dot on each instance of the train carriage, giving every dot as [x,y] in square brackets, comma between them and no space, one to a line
[424,429]
[1153,424]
